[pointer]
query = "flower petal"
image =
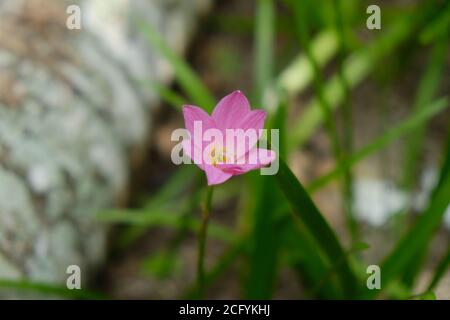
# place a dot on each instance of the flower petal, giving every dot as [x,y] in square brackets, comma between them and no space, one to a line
[192,114]
[255,159]
[246,140]
[193,152]
[253,120]
[231,110]
[215,175]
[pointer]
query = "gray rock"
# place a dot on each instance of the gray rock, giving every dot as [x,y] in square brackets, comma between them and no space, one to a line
[72,111]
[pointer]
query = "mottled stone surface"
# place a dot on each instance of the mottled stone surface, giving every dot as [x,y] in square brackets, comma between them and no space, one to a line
[72,112]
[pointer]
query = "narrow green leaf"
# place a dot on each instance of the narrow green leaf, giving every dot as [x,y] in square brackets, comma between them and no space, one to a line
[179,182]
[438,28]
[49,289]
[187,78]
[264,246]
[442,268]
[164,219]
[161,264]
[222,265]
[301,18]
[346,123]
[428,296]
[307,211]
[167,95]
[299,74]
[360,246]
[428,86]
[306,257]
[264,33]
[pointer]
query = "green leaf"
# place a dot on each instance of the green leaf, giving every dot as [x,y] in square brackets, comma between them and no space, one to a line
[163,200]
[264,34]
[299,74]
[360,246]
[438,28]
[428,296]
[264,243]
[307,211]
[306,257]
[174,187]
[428,86]
[188,79]
[167,95]
[223,263]
[164,219]
[162,264]
[440,271]
[49,289]
[301,18]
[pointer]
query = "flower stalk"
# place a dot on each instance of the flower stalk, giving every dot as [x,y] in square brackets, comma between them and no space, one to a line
[206,212]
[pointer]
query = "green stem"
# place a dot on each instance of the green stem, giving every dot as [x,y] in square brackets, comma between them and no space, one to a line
[330,127]
[347,123]
[202,241]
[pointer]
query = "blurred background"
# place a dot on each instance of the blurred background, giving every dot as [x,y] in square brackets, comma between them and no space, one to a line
[86,117]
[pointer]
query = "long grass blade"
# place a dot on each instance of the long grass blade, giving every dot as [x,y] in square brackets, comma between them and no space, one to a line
[425,94]
[188,79]
[49,289]
[264,34]
[441,269]
[307,211]
[165,219]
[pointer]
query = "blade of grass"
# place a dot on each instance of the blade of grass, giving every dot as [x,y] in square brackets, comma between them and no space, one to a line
[265,244]
[307,211]
[167,95]
[330,272]
[299,74]
[264,34]
[179,182]
[301,19]
[427,89]
[440,271]
[171,190]
[164,219]
[307,259]
[425,94]
[223,263]
[49,289]
[424,296]
[347,142]
[165,263]
[438,27]
[391,135]
[188,79]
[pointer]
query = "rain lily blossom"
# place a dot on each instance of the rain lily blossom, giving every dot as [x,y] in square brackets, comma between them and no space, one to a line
[225,143]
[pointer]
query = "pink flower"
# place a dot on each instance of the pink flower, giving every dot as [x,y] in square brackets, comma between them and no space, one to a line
[236,130]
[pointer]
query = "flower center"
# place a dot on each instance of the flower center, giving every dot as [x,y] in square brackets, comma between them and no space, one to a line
[218,155]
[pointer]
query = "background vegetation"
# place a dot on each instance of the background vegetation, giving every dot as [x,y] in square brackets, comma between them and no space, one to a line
[324,79]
